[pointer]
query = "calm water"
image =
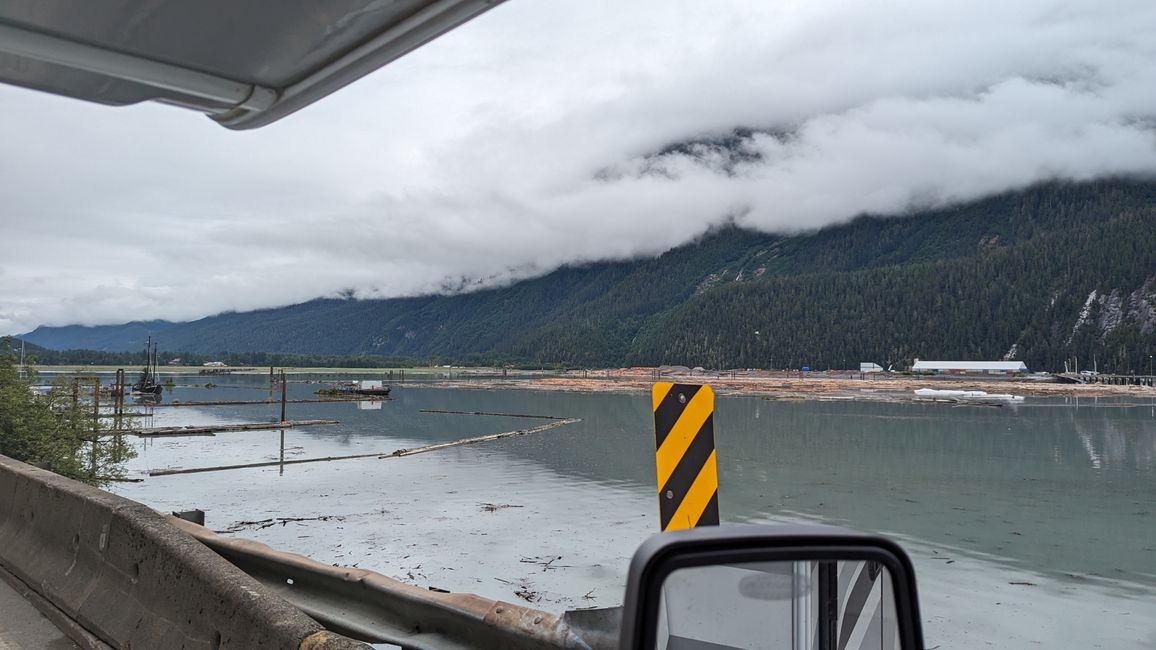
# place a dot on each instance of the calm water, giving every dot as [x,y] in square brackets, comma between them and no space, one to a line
[1056,496]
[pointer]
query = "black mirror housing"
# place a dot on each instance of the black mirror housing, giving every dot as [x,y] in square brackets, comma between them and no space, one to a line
[826,550]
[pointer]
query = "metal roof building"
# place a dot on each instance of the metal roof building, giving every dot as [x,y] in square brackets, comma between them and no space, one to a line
[970,367]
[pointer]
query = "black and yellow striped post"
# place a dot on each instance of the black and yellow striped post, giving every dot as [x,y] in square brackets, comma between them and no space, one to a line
[685,455]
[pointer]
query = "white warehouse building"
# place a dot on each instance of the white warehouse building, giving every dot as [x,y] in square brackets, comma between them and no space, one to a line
[970,367]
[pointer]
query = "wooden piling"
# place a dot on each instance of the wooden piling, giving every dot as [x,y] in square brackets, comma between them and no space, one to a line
[283,395]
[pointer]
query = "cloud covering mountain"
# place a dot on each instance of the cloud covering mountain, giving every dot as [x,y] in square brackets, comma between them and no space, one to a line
[549,133]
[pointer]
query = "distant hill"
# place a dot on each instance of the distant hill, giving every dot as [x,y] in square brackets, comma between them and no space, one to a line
[12,345]
[1043,274]
[118,338]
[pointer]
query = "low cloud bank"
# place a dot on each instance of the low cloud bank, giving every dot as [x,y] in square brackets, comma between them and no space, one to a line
[552,133]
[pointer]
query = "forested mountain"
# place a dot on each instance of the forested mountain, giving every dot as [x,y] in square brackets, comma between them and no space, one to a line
[1043,274]
[1088,290]
[12,347]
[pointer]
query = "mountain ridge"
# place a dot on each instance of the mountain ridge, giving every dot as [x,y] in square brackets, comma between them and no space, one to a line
[610,313]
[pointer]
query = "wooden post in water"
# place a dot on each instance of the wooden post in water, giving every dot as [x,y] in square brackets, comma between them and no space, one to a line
[118,411]
[118,399]
[75,399]
[96,404]
[95,424]
[282,395]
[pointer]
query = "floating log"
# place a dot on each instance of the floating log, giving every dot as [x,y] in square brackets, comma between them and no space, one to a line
[238,402]
[485,438]
[396,454]
[505,415]
[210,430]
[271,463]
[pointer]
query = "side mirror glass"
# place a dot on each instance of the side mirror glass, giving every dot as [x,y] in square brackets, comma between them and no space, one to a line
[771,587]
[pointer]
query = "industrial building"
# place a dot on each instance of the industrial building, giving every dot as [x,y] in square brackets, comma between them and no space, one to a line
[970,367]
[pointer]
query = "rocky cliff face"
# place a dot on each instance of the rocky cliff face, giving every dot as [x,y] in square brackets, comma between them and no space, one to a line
[1119,308]
[1142,306]
[1110,310]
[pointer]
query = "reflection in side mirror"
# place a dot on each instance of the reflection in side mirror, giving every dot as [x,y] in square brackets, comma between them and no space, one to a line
[777,605]
[771,587]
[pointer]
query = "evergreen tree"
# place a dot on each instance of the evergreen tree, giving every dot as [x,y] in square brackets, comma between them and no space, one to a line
[59,431]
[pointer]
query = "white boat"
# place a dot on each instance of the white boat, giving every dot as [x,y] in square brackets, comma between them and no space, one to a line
[967,396]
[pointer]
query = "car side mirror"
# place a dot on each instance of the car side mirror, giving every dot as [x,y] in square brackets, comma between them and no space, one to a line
[783,586]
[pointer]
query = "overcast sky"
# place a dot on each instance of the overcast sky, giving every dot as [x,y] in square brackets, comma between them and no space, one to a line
[527,139]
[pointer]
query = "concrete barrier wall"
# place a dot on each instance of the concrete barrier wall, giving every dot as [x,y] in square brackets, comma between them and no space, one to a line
[126,575]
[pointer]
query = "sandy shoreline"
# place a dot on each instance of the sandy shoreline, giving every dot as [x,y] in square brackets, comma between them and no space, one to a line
[794,385]
[831,385]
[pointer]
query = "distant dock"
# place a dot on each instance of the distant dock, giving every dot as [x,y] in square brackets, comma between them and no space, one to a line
[1110,380]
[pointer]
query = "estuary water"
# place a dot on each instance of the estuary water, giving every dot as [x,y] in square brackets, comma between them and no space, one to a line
[1030,526]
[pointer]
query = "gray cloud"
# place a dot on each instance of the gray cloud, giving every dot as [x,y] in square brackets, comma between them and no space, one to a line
[543,134]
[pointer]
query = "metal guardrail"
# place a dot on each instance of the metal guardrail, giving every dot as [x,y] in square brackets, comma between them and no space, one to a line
[370,607]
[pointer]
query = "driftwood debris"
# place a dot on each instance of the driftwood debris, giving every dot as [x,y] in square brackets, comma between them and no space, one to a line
[268,523]
[525,589]
[546,564]
[494,507]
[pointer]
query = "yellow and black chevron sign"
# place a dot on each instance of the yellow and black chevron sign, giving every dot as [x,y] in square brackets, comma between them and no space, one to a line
[685,455]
